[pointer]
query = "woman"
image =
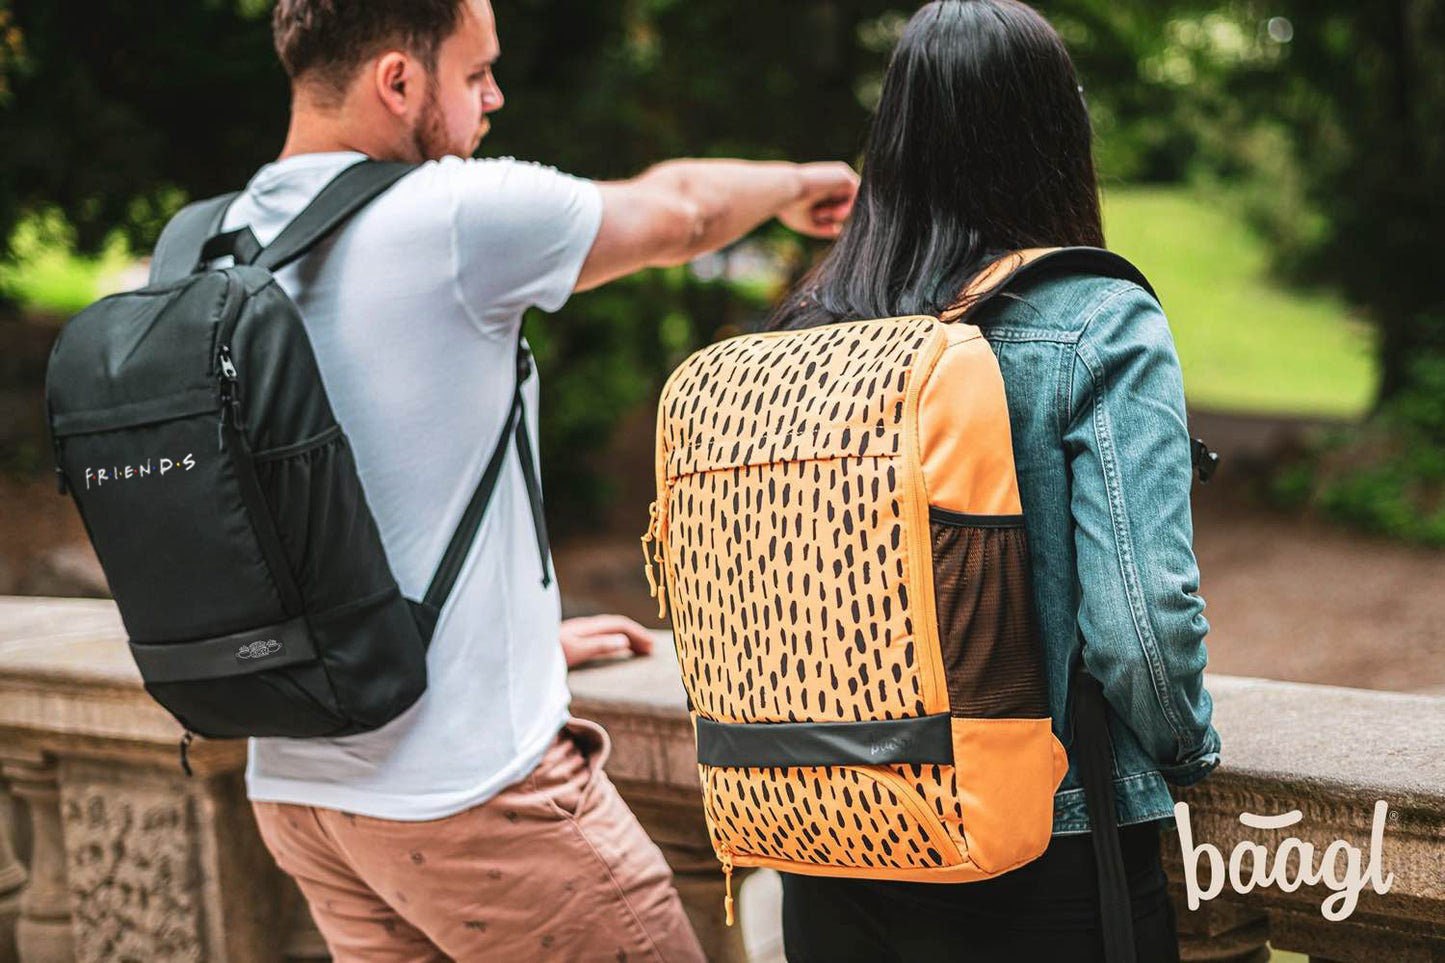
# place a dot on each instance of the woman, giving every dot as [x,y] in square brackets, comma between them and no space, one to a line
[982,145]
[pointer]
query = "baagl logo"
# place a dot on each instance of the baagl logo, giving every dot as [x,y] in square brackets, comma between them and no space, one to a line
[1342,868]
[118,473]
[887,746]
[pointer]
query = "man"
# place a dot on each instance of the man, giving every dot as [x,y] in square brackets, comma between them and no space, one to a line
[477,825]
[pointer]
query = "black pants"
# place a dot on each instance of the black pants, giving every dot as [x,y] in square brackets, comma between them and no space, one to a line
[1046,910]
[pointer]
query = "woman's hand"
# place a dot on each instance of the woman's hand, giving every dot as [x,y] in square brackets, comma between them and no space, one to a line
[596,637]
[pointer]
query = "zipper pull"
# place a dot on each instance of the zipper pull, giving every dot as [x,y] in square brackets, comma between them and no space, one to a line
[657,584]
[229,399]
[185,745]
[727,864]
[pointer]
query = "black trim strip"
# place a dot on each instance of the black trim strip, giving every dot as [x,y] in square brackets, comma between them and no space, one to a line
[946,517]
[255,650]
[920,739]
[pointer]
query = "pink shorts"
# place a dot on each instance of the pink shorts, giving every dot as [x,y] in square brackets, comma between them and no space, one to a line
[553,868]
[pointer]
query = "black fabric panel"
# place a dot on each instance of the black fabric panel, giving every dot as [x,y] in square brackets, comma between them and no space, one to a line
[254,650]
[921,739]
[326,530]
[170,526]
[136,413]
[295,701]
[983,597]
[375,656]
[134,347]
[283,397]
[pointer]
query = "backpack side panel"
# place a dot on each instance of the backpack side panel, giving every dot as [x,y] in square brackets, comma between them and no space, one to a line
[1008,762]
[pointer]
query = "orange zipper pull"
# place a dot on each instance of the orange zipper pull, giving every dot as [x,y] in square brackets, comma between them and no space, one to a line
[728,899]
[657,584]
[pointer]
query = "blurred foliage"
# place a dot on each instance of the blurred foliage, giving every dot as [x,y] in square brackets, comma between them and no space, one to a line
[1247,343]
[1324,120]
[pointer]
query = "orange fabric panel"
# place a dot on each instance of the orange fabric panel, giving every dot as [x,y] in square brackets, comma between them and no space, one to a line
[865,818]
[796,548]
[968,462]
[1008,771]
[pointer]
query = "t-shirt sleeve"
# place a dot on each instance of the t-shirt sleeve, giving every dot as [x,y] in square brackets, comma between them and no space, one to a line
[521,233]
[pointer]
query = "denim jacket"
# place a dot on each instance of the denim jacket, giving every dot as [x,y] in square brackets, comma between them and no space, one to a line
[1101,445]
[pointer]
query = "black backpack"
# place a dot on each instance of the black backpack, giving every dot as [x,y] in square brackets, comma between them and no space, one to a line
[190,424]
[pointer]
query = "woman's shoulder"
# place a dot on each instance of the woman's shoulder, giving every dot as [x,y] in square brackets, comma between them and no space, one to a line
[1064,305]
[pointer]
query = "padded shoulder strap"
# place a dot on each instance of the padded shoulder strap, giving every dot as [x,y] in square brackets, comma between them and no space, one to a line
[178,248]
[346,193]
[994,279]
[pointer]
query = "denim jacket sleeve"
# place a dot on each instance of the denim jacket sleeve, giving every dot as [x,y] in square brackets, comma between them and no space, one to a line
[1126,439]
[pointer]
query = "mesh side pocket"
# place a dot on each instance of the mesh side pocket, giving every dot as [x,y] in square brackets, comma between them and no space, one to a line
[986,625]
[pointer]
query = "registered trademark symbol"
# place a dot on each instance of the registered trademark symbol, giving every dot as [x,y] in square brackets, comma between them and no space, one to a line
[1394,815]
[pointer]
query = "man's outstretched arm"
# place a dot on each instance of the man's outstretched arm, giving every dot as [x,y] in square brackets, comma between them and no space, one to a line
[680,209]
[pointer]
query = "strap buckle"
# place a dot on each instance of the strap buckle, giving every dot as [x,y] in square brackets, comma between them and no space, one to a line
[1205,462]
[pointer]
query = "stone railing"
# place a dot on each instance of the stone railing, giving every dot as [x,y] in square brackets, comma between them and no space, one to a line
[108,852]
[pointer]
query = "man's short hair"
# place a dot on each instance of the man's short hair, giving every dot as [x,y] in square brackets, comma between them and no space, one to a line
[327,40]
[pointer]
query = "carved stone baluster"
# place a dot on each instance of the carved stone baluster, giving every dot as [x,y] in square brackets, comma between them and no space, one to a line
[12,877]
[43,931]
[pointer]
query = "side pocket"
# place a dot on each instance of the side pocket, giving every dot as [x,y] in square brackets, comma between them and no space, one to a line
[326,528]
[983,595]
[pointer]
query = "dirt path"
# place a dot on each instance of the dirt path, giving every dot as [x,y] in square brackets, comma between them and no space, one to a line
[1300,601]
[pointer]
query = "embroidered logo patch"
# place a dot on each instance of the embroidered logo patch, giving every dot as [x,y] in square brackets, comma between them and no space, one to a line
[259,649]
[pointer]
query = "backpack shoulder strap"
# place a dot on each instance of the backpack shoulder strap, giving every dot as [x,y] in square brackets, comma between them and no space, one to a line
[178,249]
[345,194]
[999,275]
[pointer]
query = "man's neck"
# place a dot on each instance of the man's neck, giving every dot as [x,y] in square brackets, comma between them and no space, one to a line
[314,130]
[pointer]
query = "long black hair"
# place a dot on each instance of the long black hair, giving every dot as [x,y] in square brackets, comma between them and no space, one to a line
[981,145]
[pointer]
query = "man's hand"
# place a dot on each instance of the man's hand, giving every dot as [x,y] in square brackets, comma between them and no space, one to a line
[602,637]
[828,192]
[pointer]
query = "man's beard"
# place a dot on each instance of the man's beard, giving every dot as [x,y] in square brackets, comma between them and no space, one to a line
[429,136]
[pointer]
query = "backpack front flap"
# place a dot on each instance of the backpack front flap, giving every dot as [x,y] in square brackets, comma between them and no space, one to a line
[839,537]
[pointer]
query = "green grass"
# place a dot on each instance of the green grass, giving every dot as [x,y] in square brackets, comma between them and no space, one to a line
[47,276]
[1246,342]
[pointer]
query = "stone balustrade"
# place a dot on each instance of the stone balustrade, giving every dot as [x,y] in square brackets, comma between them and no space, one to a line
[107,851]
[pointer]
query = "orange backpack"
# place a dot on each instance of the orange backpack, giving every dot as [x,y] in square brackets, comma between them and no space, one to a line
[839,532]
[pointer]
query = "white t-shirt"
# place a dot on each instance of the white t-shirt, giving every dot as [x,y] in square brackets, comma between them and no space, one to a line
[413,310]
